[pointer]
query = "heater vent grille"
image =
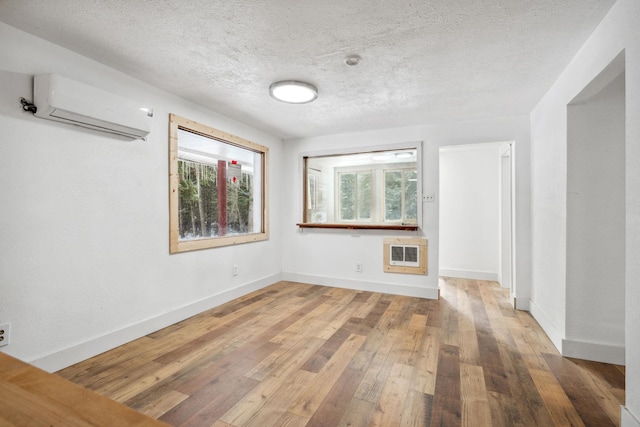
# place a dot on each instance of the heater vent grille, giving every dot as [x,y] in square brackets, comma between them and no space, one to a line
[405,255]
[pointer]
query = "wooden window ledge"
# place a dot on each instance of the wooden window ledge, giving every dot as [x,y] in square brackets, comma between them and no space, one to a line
[404,227]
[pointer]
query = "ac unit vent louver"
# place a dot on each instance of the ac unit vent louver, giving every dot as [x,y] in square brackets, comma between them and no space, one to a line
[64,100]
[404,255]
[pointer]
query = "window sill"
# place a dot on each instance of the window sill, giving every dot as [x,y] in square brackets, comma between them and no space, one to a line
[404,227]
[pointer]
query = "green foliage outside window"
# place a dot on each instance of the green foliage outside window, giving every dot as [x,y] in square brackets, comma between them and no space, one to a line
[355,196]
[400,195]
[198,202]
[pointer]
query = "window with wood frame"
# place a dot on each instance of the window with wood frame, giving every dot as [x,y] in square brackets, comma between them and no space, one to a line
[369,189]
[218,187]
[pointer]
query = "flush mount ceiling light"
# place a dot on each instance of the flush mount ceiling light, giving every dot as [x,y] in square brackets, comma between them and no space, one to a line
[293,92]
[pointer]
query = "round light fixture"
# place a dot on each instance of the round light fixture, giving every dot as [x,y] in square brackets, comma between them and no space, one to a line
[293,92]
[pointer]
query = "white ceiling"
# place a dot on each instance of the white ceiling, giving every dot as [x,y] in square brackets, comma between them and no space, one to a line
[422,61]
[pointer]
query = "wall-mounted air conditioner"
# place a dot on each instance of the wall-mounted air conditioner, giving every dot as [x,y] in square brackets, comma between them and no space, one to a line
[65,100]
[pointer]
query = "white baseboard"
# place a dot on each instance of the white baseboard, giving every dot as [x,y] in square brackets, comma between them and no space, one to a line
[626,419]
[468,274]
[77,353]
[387,288]
[547,326]
[597,352]
[523,304]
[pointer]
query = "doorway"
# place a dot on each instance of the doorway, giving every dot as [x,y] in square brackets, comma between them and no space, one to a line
[476,212]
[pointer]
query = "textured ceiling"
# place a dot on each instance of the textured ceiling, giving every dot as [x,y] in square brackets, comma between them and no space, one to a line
[422,61]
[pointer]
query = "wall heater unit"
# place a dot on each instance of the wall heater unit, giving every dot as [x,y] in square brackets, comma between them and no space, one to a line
[61,99]
[404,255]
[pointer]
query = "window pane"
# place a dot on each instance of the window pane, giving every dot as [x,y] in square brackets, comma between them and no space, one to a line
[411,196]
[214,172]
[393,195]
[364,195]
[197,199]
[347,196]
[240,218]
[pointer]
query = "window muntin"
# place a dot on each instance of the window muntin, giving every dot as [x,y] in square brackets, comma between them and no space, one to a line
[352,188]
[217,188]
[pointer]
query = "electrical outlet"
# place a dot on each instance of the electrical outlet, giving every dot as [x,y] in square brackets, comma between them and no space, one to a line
[358,267]
[235,270]
[5,333]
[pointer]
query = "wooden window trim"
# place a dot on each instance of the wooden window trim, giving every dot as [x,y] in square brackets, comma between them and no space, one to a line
[175,244]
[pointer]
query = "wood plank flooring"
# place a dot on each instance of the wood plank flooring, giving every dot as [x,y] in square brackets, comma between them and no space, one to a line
[31,397]
[294,355]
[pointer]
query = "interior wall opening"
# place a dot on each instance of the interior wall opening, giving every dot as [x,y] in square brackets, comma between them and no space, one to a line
[595,269]
[476,212]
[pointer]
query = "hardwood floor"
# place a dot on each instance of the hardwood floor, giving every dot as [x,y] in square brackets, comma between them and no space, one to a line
[302,355]
[31,397]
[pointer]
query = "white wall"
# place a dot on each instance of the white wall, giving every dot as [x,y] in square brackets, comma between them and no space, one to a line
[470,211]
[329,256]
[618,31]
[75,282]
[84,230]
[595,224]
